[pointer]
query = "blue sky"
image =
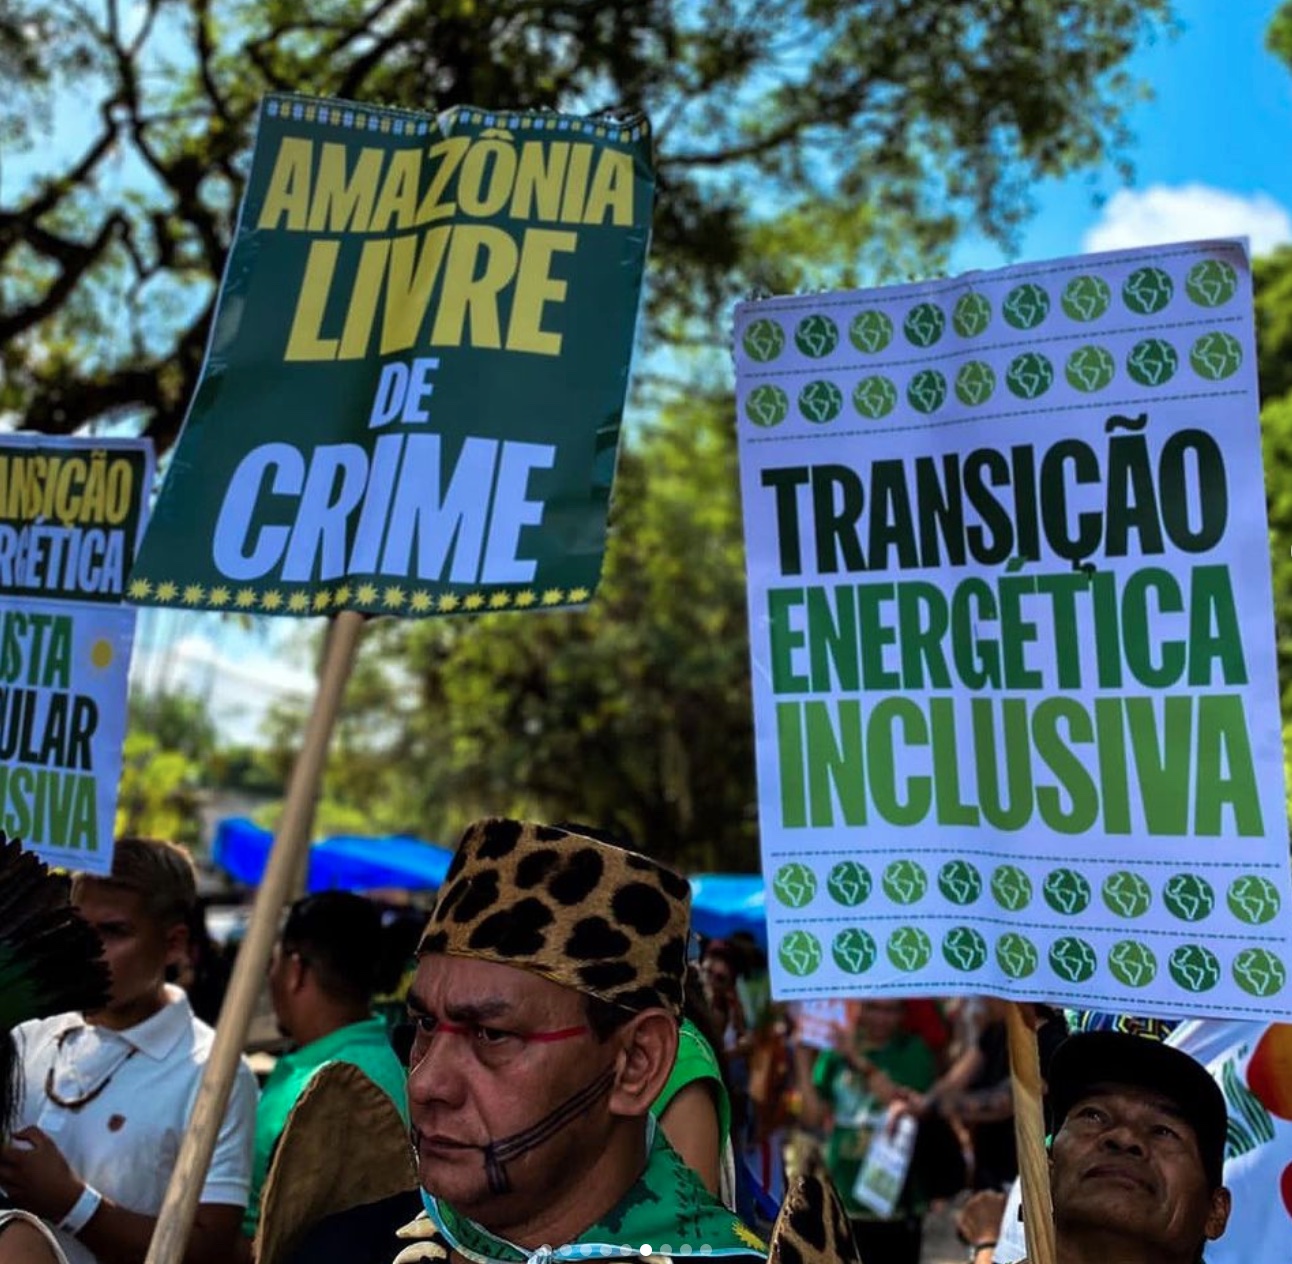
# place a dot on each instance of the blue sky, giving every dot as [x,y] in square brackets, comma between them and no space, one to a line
[1211,154]
[1210,151]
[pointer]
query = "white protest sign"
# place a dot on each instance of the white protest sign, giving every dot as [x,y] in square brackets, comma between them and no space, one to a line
[71,513]
[1013,640]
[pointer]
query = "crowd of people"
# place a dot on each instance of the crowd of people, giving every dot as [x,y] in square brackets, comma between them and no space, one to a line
[576,1079]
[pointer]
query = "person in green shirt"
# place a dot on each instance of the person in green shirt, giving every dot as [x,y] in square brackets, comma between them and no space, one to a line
[858,1079]
[322,977]
[694,1111]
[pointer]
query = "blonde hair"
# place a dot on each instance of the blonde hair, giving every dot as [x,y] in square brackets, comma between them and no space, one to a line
[161,871]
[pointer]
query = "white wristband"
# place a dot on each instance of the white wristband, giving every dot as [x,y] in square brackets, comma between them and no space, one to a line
[82,1211]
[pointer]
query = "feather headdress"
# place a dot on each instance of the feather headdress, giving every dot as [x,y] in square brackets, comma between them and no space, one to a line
[50,958]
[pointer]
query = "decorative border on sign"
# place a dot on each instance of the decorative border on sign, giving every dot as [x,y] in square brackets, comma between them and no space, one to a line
[954,353]
[388,120]
[395,598]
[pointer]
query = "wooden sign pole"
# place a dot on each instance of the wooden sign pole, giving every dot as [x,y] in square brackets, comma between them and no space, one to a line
[1029,1133]
[290,842]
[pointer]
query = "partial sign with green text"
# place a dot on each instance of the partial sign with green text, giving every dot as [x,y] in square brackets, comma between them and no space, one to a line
[1013,637]
[71,512]
[412,397]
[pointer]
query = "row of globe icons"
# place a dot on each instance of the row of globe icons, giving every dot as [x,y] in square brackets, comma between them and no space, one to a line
[1090,368]
[1189,897]
[909,949]
[1147,291]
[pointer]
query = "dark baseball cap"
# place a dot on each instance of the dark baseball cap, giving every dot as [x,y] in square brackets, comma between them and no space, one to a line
[1089,1059]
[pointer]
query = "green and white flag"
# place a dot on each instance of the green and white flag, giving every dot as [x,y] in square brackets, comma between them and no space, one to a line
[412,397]
[1013,639]
[71,513]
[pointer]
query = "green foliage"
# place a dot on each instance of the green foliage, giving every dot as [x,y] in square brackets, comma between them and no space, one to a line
[330,818]
[179,722]
[159,794]
[1278,35]
[799,142]
[1272,278]
[243,768]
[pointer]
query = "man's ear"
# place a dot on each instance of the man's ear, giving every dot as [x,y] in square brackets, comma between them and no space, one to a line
[176,944]
[647,1051]
[1218,1215]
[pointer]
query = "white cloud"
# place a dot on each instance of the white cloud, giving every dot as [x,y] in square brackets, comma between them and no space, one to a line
[1190,212]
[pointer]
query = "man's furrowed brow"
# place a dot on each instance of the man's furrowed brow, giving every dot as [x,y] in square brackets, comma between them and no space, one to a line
[487,1009]
[482,1011]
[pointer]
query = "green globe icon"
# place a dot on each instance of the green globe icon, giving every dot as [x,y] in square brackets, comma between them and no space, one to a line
[1026,306]
[848,883]
[1090,368]
[904,882]
[767,405]
[1011,888]
[1194,968]
[1066,891]
[853,950]
[960,882]
[1259,971]
[909,949]
[1086,298]
[1188,897]
[924,324]
[971,316]
[1253,899]
[816,336]
[1016,955]
[1127,894]
[926,391]
[1147,291]
[1132,963]
[1211,283]
[794,884]
[871,331]
[874,397]
[1152,362]
[1072,959]
[975,382]
[964,949]
[820,401]
[800,953]
[1029,375]
[1216,355]
[764,340]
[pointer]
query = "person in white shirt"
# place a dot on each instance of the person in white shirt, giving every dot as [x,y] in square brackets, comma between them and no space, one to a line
[107,1095]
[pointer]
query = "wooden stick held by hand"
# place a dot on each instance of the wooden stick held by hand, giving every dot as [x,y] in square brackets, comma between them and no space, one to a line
[1029,1133]
[290,841]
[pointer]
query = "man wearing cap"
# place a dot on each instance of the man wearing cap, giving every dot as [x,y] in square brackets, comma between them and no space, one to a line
[546,1003]
[1138,1146]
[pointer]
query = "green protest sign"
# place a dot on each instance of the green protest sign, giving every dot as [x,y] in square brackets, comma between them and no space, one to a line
[412,397]
[1012,625]
[71,511]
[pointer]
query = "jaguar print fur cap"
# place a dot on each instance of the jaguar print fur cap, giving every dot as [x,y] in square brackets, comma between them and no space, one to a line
[585,914]
[812,1227]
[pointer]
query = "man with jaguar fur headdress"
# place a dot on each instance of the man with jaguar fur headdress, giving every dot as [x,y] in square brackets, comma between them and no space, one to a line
[546,1009]
[546,1005]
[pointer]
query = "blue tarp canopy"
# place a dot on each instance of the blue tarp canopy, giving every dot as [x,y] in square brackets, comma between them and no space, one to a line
[344,862]
[722,904]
